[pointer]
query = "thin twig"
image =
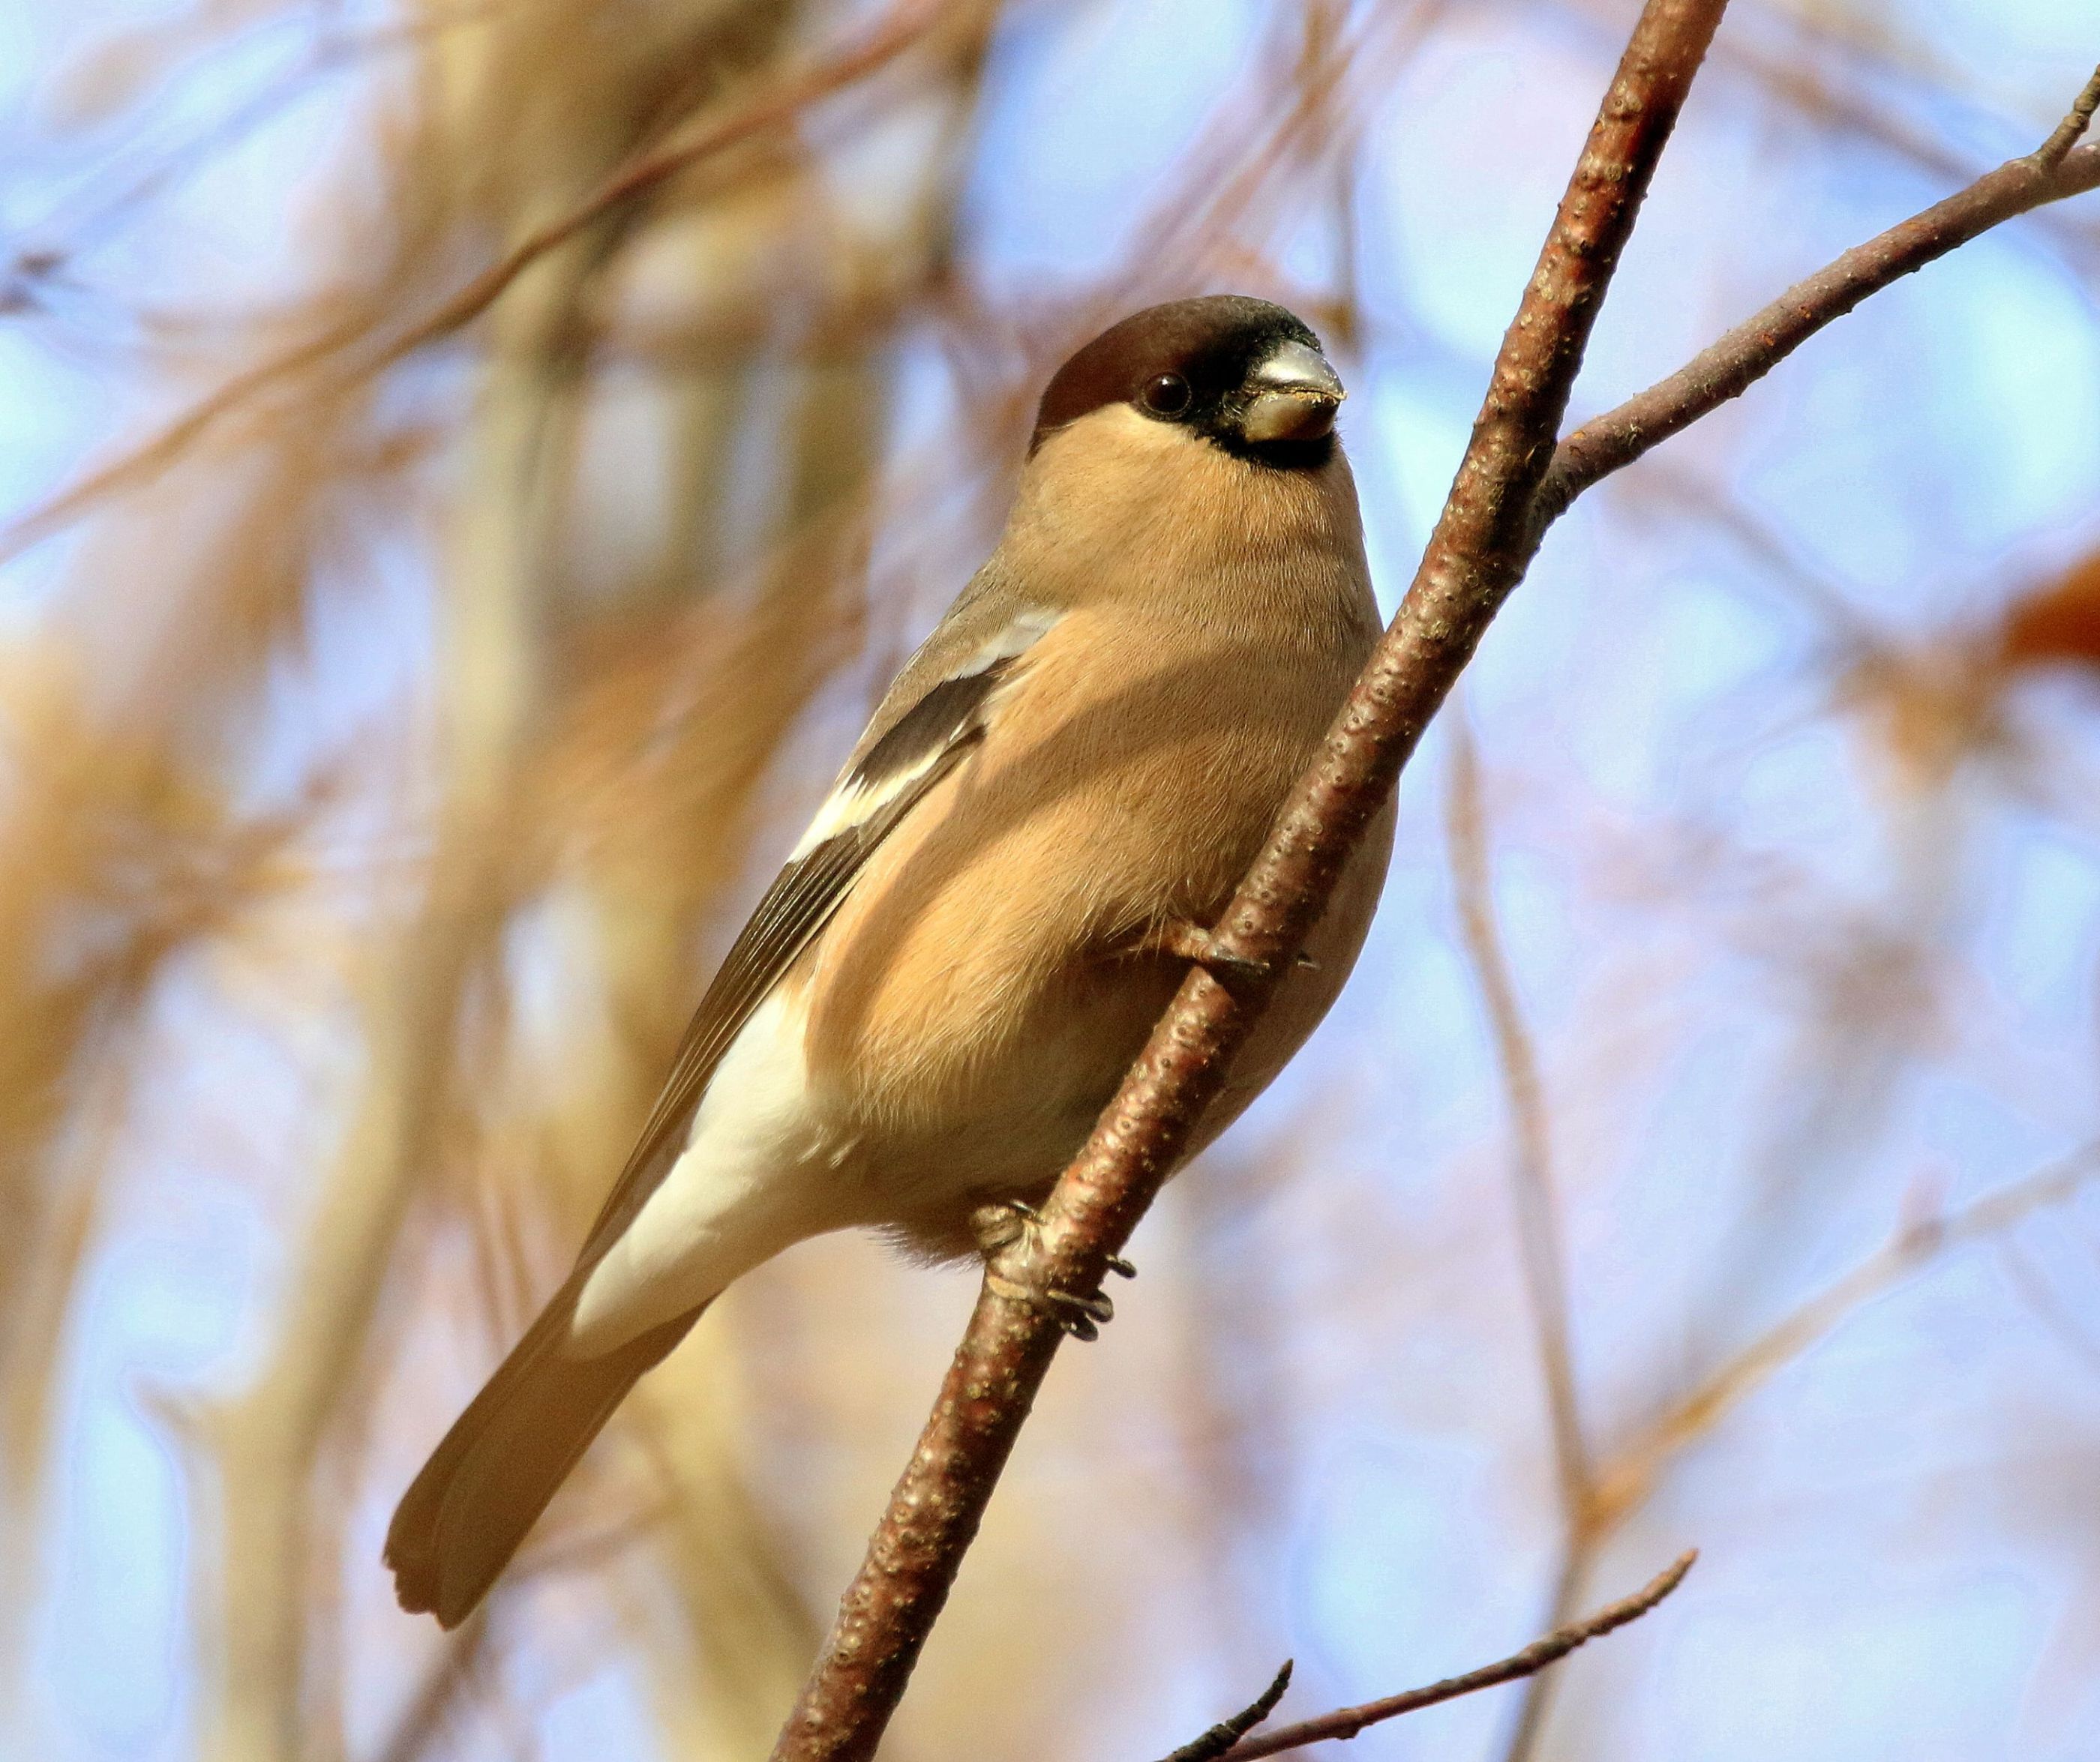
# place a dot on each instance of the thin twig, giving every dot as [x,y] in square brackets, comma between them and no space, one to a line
[430,1710]
[1474,559]
[1346,1722]
[2045,1307]
[1218,1741]
[1539,1237]
[1626,1481]
[2050,154]
[902,29]
[1613,441]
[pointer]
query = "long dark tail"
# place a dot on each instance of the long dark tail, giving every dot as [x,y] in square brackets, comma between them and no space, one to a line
[485,1486]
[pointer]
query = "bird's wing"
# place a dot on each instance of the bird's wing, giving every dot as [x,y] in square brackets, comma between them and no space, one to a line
[919,736]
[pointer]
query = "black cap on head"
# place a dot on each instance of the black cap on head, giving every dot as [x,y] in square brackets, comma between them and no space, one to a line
[1201,364]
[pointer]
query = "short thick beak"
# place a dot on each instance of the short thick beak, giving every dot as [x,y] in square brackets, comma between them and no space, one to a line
[1294,393]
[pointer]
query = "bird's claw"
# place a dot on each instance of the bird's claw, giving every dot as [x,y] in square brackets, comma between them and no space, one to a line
[1081,1317]
[1233,972]
[1032,1219]
[1192,942]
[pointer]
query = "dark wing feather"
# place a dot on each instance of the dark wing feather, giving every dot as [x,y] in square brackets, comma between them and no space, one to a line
[936,722]
[922,747]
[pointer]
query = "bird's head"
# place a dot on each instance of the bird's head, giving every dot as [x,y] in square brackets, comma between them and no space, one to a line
[1245,374]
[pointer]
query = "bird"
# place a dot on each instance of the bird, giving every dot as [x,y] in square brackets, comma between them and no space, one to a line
[940,993]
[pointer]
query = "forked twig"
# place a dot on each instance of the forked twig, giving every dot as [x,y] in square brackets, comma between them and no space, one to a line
[1346,1722]
[2050,154]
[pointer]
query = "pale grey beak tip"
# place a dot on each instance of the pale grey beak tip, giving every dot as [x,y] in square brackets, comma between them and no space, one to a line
[1295,393]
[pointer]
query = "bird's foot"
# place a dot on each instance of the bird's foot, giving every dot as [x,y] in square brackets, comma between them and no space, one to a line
[1185,940]
[1081,1315]
[1001,1223]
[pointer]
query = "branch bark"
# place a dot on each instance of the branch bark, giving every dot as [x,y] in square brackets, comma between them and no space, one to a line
[1474,558]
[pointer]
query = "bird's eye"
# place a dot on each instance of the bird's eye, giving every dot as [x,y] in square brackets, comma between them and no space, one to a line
[1167,395]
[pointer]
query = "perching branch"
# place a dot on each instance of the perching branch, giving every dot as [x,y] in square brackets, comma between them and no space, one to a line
[1475,557]
[1511,484]
[1346,1722]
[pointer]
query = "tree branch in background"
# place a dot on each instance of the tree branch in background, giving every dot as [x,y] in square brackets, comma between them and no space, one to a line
[1539,1239]
[1346,1722]
[1625,1482]
[1628,1480]
[910,24]
[1475,557]
[1539,1235]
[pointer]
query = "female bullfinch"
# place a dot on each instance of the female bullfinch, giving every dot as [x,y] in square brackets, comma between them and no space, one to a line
[942,988]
